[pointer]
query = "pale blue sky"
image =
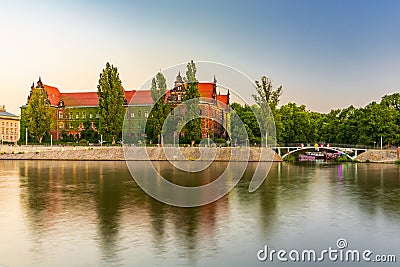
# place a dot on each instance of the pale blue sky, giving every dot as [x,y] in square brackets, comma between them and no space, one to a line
[326,54]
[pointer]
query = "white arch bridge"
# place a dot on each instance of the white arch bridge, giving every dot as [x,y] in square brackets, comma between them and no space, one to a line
[350,152]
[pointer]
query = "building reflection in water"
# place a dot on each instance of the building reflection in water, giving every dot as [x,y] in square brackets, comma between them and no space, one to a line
[56,196]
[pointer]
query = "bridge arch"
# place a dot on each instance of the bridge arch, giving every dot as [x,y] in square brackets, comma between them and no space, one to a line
[335,149]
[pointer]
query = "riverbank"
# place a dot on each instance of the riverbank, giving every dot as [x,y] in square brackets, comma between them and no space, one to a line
[378,156]
[95,153]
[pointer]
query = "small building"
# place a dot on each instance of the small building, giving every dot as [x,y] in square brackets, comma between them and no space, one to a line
[9,126]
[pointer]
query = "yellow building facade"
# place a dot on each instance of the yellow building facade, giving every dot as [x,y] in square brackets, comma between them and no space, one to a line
[9,126]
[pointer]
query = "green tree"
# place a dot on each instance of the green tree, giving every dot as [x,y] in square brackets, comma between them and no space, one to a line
[38,114]
[266,95]
[111,101]
[88,133]
[160,110]
[250,123]
[296,124]
[329,126]
[192,128]
[267,99]
[392,101]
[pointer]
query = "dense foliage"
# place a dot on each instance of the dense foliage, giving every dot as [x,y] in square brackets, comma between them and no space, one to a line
[159,111]
[38,114]
[192,128]
[111,101]
[356,126]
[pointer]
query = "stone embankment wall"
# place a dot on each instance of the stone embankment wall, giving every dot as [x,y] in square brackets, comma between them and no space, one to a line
[132,153]
[382,156]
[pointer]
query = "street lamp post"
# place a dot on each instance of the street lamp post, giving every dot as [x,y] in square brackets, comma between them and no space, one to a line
[57,114]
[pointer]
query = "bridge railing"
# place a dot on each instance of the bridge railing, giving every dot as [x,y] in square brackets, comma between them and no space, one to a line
[325,144]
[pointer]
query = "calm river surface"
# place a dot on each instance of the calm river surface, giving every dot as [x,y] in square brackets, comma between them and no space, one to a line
[93,213]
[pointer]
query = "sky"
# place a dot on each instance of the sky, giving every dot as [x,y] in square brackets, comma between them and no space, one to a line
[325,54]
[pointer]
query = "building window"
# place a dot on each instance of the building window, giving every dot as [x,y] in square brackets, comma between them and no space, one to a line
[61,125]
[70,115]
[60,115]
[140,114]
[146,114]
[83,115]
[77,115]
[132,115]
[91,115]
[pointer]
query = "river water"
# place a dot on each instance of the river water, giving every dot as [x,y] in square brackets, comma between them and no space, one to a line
[55,213]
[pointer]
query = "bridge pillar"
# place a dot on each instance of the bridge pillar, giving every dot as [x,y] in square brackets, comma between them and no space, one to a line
[279,152]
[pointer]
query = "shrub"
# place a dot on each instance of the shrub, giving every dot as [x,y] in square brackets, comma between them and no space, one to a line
[367,161]
[219,140]
[83,142]
[343,159]
[290,158]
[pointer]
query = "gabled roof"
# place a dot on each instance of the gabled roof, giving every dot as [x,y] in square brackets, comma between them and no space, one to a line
[129,95]
[7,114]
[224,99]
[206,90]
[53,94]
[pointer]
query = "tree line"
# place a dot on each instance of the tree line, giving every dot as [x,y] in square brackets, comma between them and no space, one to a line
[356,126]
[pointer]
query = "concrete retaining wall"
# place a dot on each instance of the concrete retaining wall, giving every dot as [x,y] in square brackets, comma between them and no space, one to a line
[132,153]
[383,156]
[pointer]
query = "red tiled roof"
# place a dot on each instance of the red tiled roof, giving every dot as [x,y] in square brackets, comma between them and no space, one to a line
[206,90]
[89,99]
[53,94]
[129,95]
[141,97]
[133,97]
[224,99]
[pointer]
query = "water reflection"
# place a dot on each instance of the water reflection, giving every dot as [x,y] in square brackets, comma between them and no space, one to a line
[96,213]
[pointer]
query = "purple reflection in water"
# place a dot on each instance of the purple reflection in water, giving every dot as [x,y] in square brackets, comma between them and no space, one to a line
[340,176]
